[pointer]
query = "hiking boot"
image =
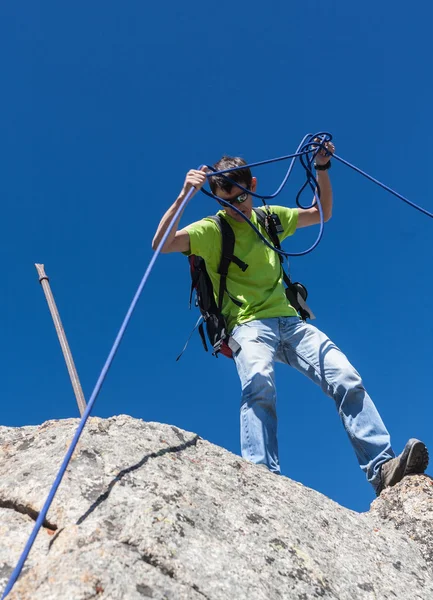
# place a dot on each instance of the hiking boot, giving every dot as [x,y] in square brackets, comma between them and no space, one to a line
[413,460]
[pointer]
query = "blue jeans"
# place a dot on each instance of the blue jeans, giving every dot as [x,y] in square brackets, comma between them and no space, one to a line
[291,341]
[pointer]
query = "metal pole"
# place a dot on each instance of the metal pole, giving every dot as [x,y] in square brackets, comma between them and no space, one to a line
[78,391]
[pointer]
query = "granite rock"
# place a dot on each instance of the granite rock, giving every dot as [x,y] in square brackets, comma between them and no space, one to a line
[147,510]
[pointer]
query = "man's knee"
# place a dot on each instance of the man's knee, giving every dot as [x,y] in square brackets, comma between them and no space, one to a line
[259,393]
[350,388]
[259,383]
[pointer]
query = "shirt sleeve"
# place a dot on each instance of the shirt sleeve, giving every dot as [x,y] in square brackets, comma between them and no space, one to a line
[204,238]
[288,218]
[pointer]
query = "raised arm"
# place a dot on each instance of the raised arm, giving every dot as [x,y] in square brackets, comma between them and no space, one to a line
[311,216]
[178,241]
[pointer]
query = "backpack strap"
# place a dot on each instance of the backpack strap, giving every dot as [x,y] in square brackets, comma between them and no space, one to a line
[227,256]
[211,312]
[268,226]
[296,293]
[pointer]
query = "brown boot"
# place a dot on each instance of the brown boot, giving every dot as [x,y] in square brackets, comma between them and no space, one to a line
[413,459]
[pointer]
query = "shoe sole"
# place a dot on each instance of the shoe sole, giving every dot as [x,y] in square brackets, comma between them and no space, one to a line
[417,459]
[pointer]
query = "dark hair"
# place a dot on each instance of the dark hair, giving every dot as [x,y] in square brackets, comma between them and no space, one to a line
[241,176]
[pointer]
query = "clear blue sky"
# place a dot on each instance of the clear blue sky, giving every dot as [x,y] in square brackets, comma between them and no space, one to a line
[106,105]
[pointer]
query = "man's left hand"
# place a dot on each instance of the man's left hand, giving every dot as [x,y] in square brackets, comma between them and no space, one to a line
[324,156]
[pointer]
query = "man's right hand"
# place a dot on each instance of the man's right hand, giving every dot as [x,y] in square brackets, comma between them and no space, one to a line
[194,178]
[178,241]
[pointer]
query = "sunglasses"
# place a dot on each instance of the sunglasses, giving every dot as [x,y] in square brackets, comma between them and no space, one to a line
[238,199]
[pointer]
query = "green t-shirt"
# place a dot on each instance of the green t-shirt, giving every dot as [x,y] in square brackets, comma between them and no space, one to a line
[260,288]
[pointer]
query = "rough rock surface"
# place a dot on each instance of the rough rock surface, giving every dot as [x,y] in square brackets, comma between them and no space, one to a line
[150,511]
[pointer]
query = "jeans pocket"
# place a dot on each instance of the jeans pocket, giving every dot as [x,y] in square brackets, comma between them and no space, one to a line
[247,332]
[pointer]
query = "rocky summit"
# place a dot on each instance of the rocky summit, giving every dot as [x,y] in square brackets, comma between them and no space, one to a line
[146,510]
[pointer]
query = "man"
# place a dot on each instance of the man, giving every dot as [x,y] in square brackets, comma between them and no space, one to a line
[269,329]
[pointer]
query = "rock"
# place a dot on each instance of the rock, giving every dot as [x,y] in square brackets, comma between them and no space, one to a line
[147,510]
[408,507]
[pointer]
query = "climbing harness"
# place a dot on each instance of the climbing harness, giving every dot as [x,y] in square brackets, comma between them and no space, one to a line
[306,152]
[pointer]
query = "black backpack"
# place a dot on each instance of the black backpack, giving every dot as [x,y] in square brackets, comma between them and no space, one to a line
[210,309]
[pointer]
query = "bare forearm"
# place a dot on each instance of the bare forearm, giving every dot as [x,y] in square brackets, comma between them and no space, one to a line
[325,193]
[194,180]
[165,222]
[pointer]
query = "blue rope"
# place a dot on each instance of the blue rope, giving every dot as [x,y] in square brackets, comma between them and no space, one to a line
[42,515]
[303,150]
[306,147]
[306,153]
[385,187]
[271,246]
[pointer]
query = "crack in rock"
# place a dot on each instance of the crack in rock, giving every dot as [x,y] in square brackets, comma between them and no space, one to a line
[103,497]
[26,510]
[196,589]
[153,561]
[150,559]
